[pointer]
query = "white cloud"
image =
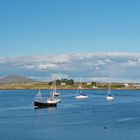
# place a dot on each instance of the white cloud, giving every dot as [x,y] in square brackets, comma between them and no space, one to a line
[59,76]
[97,68]
[132,63]
[47,66]
[117,65]
[59,59]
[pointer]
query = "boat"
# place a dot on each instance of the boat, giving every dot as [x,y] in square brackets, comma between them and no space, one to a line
[79,94]
[53,97]
[58,100]
[109,96]
[42,102]
[55,91]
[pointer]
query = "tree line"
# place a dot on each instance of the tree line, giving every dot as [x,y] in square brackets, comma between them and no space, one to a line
[66,81]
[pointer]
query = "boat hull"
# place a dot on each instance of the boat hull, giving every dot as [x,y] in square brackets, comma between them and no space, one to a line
[44,105]
[109,98]
[56,94]
[81,97]
[58,100]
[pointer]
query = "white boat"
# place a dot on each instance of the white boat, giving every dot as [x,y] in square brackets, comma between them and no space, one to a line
[54,98]
[109,96]
[58,100]
[55,94]
[51,101]
[55,91]
[79,94]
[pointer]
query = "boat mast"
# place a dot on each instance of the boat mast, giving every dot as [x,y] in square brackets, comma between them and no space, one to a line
[55,85]
[109,88]
[80,88]
[54,88]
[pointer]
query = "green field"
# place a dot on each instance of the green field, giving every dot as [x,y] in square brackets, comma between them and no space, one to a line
[45,85]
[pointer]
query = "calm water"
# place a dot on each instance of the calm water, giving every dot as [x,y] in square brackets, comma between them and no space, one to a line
[91,119]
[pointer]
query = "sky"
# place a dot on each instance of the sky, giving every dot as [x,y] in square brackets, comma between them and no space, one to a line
[37,30]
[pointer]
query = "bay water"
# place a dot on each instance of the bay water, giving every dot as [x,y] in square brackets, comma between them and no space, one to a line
[90,119]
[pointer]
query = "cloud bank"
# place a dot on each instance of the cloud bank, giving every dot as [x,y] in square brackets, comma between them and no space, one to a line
[97,66]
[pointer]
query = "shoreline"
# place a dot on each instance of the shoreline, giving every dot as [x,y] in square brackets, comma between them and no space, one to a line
[85,86]
[64,89]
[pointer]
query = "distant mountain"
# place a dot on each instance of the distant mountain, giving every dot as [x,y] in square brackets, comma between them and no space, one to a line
[12,79]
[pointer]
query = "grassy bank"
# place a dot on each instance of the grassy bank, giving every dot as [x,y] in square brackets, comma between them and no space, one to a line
[44,85]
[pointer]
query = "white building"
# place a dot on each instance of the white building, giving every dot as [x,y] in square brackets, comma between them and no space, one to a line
[126,85]
[89,84]
[63,84]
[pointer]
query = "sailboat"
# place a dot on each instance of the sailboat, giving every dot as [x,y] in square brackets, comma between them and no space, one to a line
[109,96]
[55,92]
[79,94]
[41,102]
[53,96]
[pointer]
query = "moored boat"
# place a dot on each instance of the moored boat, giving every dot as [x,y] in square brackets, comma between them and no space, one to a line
[109,96]
[79,94]
[55,93]
[42,102]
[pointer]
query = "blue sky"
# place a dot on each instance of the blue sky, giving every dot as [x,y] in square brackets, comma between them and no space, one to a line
[68,26]
[41,38]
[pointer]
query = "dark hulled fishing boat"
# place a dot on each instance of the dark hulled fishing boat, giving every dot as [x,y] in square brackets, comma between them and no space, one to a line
[44,104]
[41,102]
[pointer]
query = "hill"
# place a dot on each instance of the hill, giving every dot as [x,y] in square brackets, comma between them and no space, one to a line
[12,79]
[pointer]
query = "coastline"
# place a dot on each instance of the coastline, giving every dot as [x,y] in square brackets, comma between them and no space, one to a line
[68,89]
[45,86]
